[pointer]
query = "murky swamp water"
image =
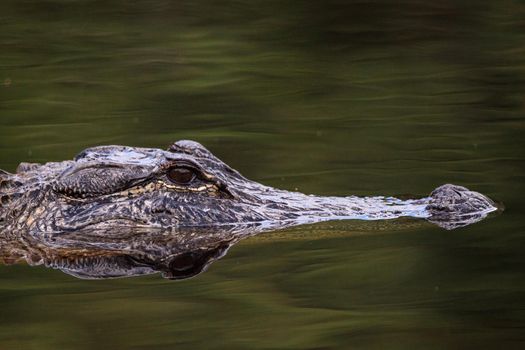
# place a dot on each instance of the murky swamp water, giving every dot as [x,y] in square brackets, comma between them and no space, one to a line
[332,98]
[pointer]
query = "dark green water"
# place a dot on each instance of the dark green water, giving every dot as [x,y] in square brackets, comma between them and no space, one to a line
[333,98]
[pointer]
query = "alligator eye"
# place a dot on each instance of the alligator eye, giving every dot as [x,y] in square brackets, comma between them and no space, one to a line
[181,176]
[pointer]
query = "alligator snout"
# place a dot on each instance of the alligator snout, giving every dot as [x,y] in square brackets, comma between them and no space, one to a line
[453,206]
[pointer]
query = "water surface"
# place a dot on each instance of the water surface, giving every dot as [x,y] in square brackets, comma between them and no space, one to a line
[333,98]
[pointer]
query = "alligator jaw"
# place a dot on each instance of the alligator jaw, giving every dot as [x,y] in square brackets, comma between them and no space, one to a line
[448,206]
[284,205]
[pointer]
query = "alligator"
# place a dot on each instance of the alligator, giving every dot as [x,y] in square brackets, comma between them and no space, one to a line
[107,187]
[116,211]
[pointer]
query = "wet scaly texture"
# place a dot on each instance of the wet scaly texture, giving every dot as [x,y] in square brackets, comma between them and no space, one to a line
[113,186]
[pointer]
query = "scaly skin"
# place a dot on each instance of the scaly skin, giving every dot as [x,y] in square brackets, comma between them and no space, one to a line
[117,186]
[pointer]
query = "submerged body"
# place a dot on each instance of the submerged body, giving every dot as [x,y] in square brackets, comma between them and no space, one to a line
[111,186]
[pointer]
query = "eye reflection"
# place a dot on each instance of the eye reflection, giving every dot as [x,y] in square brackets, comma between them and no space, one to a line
[181,176]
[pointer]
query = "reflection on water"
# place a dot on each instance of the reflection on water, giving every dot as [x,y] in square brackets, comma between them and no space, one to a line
[177,253]
[330,97]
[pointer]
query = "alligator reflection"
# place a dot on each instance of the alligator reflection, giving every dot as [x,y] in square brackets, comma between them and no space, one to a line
[177,253]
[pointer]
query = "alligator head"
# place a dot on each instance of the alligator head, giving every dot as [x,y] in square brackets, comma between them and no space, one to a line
[186,185]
